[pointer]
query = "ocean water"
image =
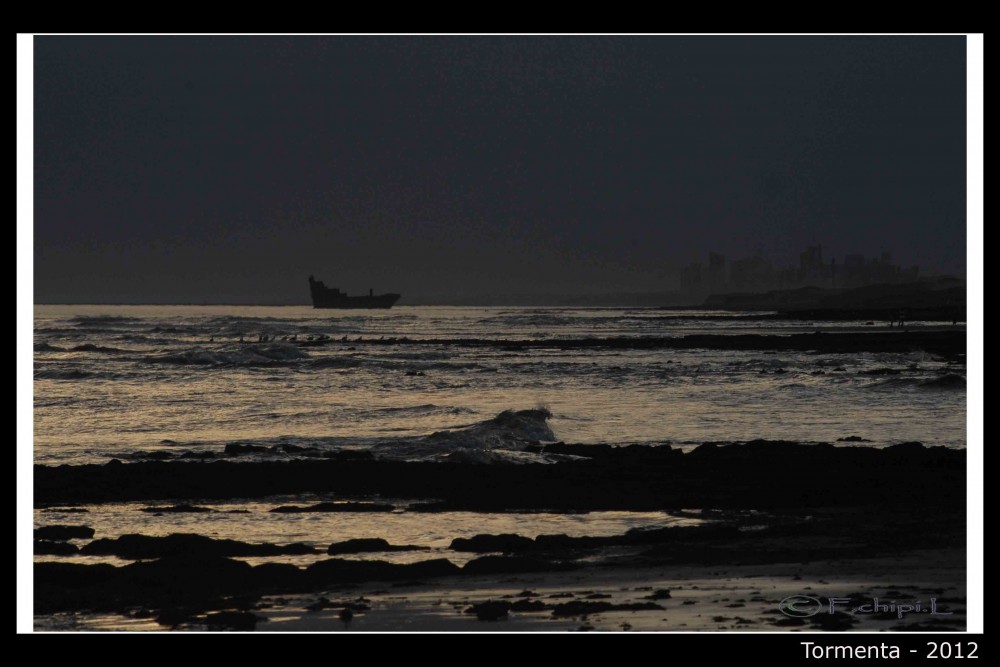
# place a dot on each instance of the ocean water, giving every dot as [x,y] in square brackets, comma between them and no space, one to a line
[130,381]
[177,382]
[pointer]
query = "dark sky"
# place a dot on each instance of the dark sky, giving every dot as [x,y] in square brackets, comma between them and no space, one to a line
[227,169]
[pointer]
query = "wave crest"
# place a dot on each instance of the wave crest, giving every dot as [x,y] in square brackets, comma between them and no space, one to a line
[949,382]
[249,355]
[502,439]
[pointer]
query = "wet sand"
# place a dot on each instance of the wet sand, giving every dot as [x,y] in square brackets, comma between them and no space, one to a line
[848,521]
[701,598]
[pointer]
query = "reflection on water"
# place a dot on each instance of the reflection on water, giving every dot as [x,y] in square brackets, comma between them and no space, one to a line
[134,382]
[254,522]
[114,380]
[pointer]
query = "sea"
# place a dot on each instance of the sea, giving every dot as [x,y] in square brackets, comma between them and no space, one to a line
[138,383]
[127,381]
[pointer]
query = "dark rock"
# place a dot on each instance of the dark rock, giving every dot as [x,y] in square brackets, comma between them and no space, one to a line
[187,545]
[437,506]
[683,534]
[925,627]
[513,565]
[564,542]
[529,606]
[73,575]
[362,545]
[64,533]
[427,569]
[189,583]
[359,605]
[658,594]
[335,507]
[348,455]
[638,478]
[48,548]
[853,438]
[283,577]
[905,449]
[174,617]
[237,449]
[196,455]
[298,549]
[186,572]
[322,603]
[155,456]
[838,621]
[582,608]
[293,449]
[334,571]
[171,509]
[491,610]
[506,543]
[243,621]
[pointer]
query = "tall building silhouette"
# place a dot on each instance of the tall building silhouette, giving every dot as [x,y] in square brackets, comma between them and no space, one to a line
[758,274]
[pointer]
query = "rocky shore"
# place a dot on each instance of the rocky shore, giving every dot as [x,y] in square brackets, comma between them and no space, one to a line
[776,502]
[759,474]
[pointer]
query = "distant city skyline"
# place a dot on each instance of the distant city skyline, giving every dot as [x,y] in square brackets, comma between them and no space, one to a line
[757,273]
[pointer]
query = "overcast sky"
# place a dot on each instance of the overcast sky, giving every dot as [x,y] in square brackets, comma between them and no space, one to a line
[228,169]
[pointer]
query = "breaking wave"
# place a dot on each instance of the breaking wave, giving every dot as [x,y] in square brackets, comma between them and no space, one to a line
[422,410]
[343,361]
[950,381]
[90,347]
[508,428]
[943,383]
[247,355]
[537,319]
[502,439]
[336,362]
[86,320]
[512,437]
[61,374]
